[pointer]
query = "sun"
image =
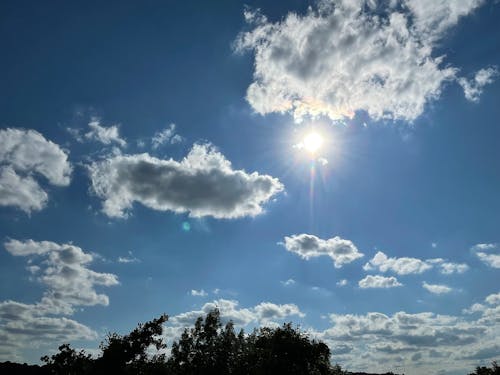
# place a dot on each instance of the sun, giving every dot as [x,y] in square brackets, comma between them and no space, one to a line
[312,142]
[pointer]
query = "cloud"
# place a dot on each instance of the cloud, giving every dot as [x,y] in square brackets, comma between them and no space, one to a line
[64,270]
[25,155]
[202,184]
[342,282]
[473,88]
[288,282]
[448,268]
[401,266]
[198,293]
[345,56]
[128,259]
[166,135]
[493,299]
[309,246]
[263,313]
[492,260]
[377,281]
[401,337]
[104,135]
[437,288]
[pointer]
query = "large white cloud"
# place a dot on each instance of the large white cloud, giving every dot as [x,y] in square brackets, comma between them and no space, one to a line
[308,246]
[348,55]
[202,184]
[63,269]
[25,155]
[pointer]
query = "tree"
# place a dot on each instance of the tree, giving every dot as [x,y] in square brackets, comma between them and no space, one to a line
[483,370]
[122,354]
[68,361]
[285,350]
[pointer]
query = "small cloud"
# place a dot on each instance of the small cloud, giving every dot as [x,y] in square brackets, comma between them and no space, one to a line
[128,259]
[448,268]
[483,252]
[377,281]
[477,307]
[401,266]
[436,288]
[342,282]
[308,246]
[473,88]
[323,161]
[198,293]
[288,282]
[105,135]
[434,245]
[166,136]
[216,291]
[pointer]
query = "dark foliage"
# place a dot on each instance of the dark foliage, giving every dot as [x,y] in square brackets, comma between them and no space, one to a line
[493,370]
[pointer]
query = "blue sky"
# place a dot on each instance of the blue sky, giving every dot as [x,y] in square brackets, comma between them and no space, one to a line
[157,157]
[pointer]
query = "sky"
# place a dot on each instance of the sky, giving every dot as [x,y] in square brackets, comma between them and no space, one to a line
[334,163]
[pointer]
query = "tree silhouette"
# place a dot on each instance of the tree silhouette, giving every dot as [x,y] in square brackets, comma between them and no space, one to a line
[494,370]
[68,362]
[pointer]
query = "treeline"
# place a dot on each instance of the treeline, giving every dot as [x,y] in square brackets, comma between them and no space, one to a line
[208,348]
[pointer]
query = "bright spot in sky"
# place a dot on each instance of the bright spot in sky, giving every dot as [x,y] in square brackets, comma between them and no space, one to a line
[186,227]
[312,142]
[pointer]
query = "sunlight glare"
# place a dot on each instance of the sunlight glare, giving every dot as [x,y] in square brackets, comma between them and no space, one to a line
[312,142]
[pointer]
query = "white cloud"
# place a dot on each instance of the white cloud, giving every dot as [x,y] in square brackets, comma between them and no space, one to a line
[448,268]
[343,56]
[473,88]
[105,135]
[492,260]
[198,293]
[309,246]
[493,299]
[288,282]
[63,269]
[437,288]
[477,307]
[202,184]
[129,259]
[24,155]
[401,266]
[166,135]
[263,313]
[377,281]
[395,339]
[342,282]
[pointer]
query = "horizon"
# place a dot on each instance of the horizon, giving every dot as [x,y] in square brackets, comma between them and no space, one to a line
[331,163]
